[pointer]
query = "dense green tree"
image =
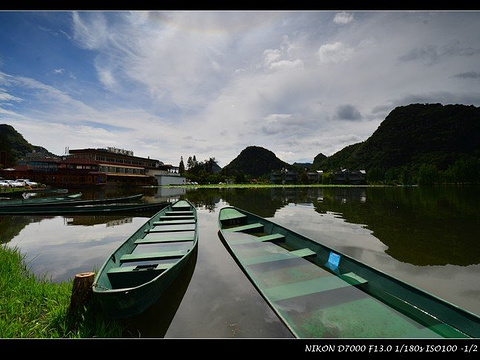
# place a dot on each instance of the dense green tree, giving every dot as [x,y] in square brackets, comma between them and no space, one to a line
[427,174]
[181,166]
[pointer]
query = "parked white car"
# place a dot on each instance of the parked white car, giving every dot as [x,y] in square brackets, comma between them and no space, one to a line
[14,183]
[27,182]
[4,183]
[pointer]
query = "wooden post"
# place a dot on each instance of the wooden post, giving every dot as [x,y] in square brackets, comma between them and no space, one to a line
[82,288]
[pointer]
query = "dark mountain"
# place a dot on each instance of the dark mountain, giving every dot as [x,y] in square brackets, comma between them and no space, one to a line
[13,146]
[255,161]
[302,166]
[413,135]
[319,158]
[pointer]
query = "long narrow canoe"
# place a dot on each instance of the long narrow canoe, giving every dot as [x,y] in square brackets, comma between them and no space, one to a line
[45,200]
[86,209]
[68,200]
[136,274]
[319,292]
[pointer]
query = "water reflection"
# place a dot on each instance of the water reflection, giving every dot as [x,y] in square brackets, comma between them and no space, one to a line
[420,226]
[427,237]
[61,247]
[10,227]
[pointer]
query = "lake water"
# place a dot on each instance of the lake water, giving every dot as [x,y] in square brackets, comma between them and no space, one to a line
[428,237]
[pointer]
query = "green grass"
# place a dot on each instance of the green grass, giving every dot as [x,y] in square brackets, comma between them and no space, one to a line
[38,308]
[259,185]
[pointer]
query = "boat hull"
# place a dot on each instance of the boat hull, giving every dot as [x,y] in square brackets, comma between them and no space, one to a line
[58,202]
[339,296]
[136,274]
[86,209]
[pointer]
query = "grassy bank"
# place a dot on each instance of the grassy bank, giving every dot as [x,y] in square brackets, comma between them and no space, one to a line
[38,308]
[227,186]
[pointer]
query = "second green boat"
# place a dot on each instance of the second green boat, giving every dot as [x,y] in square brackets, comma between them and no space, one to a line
[319,292]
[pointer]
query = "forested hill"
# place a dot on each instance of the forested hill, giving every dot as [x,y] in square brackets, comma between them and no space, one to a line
[14,146]
[255,161]
[411,137]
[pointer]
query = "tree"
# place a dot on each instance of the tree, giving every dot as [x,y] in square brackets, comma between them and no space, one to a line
[427,174]
[190,164]
[181,166]
[304,177]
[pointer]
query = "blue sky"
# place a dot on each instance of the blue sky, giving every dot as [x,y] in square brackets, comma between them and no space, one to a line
[168,84]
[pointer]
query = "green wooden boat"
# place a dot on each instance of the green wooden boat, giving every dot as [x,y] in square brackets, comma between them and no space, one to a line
[59,201]
[138,272]
[319,292]
[34,201]
[75,209]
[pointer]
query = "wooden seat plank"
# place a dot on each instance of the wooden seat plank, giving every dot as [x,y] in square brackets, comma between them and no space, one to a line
[307,287]
[278,257]
[353,278]
[255,239]
[171,228]
[152,256]
[249,227]
[303,252]
[178,213]
[166,239]
[173,221]
[272,237]
[176,217]
[126,269]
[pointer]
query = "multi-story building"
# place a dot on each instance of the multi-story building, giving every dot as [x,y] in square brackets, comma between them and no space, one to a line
[122,167]
[57,172]
[95,167]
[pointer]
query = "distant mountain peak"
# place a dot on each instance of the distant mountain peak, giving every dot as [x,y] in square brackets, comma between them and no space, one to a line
[255,161]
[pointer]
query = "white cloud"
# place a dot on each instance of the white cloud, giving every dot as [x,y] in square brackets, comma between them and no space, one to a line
[90,30]
[334,53]
[343,18]
[5,97]
[282,58]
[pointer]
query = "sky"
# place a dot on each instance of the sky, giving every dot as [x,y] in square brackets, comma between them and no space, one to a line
[174,84]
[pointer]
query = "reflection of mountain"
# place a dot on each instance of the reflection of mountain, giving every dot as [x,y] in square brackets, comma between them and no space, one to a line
[156,320]
[266,201]
[206,198]
[256,200]
[10,226]
[419,225]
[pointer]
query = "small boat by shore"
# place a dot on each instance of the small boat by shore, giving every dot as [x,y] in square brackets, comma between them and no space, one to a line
[86,209]
[319,292]
[34,200]
[136,274]
[58,202]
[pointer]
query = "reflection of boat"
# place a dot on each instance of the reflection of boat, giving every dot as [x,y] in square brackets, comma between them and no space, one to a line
[139,271]
[320,292]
